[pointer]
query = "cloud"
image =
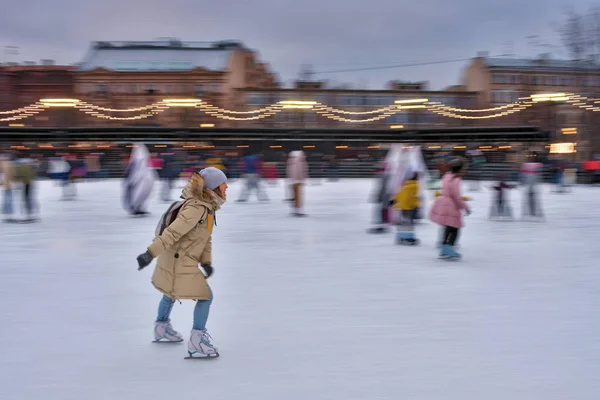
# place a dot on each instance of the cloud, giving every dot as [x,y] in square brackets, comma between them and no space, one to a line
[333,34]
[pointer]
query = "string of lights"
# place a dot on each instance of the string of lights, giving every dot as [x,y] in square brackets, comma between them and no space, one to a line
[324,110]
[459,116]
[24,115]
[339,111]
[86,105]
[356,121]
[94,112]
[230,118]
[22,110]
[206,106]
[472,110]
[583,103]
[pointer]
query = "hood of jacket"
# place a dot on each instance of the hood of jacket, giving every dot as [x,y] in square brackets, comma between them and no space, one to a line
[195,189]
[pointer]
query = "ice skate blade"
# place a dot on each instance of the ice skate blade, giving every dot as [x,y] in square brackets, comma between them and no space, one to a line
[452,258]
[408,243]
[377,230]
[207,357]
[167,341]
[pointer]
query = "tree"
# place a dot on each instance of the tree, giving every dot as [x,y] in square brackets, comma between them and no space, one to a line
[574,36]
[593,33]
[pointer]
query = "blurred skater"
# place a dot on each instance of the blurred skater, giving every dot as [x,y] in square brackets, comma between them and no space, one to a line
[531,175]
[139,181]
[381,200]
[7,175]
[252,173]
[297,173]
[407,201]
[446,209]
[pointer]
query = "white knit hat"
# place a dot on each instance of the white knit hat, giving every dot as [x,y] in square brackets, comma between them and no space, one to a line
[213,177]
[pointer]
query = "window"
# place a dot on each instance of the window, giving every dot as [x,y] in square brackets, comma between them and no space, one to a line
[400,118]
[321,98]
[199,88]
[346,100]
[256,99]
[504,96]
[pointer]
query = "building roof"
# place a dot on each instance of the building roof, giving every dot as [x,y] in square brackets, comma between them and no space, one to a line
[162,56]
[41,68]
[544,64]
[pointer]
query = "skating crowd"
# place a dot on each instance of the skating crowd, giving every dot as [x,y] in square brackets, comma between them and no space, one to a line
[183,237]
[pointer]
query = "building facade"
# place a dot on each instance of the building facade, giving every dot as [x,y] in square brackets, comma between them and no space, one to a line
[500,81]
[351,108]
[122,75]
[23,85]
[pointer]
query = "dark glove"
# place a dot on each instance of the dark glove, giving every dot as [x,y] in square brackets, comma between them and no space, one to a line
[468,211]
[144,259]
[208,269]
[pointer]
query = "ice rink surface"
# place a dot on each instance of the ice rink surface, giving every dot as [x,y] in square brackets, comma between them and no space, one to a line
[306,309]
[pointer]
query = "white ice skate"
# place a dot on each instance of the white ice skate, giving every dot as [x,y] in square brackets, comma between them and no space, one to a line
[200,345]
[164,333]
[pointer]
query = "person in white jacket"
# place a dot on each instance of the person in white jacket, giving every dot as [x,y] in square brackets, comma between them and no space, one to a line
[297,174]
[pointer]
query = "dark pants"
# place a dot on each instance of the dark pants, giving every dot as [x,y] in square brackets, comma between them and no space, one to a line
[27,199]
[406,222]
[532,201]
[450,235]
[500,205]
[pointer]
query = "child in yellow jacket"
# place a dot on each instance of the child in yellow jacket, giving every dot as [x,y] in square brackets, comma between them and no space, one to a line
[407,201]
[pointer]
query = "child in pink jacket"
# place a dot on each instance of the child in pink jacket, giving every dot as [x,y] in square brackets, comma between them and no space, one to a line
[447,208]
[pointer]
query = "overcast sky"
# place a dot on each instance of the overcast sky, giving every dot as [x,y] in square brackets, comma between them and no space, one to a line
[327,34]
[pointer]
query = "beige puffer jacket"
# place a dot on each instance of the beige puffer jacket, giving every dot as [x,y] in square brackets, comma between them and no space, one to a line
[186,243]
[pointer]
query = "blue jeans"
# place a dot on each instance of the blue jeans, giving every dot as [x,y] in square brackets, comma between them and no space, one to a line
[7,207]
[200,311]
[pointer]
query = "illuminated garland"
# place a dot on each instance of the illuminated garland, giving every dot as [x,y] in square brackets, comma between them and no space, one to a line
[338,111]
[470,110]
[209,107]
[86,105]
[321,109]
[459,116]
[324,111]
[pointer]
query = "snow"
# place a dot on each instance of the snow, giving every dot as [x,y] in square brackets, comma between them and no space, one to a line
[306,309]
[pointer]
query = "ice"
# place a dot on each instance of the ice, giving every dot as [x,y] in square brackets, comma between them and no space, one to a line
[305,309]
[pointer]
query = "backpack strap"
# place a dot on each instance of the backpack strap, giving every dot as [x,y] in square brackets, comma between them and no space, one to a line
[202,218]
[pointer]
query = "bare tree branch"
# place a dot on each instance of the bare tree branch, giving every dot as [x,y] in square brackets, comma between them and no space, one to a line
[573,35]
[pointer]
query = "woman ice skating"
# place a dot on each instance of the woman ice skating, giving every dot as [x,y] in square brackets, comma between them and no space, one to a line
[185,243]
[408,202]
[446,209]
